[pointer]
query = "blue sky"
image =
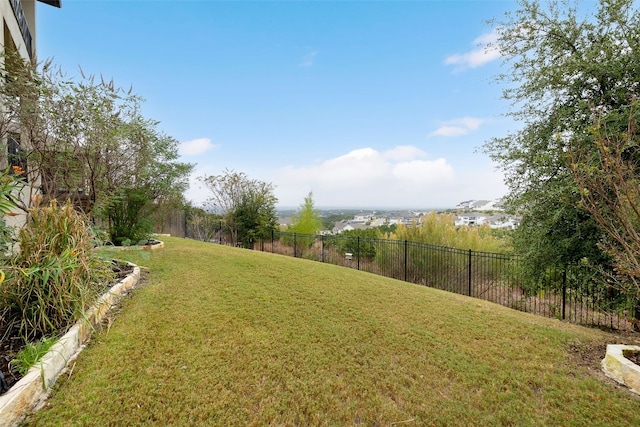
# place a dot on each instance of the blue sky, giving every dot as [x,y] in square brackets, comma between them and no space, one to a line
[367,104]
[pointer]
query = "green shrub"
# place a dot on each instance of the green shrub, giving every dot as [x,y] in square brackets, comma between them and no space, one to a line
[55,275]
[31,354]
[361,243]
[128,215]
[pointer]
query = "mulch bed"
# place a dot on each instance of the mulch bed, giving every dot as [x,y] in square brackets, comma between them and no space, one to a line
[634,356]
[10,345]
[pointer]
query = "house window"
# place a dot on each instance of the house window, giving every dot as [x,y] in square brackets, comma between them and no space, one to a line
[16,156]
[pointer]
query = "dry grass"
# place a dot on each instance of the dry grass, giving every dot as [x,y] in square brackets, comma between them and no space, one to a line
[225,336]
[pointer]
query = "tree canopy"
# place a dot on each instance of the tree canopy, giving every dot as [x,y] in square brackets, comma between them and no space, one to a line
[565,65]
[306,220]
[247,205]
[607,177]
[86,140]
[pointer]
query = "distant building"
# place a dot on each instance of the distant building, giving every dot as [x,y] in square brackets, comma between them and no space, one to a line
[401,221]
[343,226]
[470,220]
[505,224]
[378,222]
[495,222]
[364,217]
[481,205]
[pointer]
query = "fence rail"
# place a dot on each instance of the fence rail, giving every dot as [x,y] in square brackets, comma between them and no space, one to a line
[571,293]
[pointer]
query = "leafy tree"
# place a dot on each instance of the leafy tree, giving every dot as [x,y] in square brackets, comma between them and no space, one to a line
[108,144]
[247,205]
[606,171]
[86,141]
[256,215]
[387,229]
[306,221]
[202,225]
[20,88]
[76,137]
[359,242]
[563,67]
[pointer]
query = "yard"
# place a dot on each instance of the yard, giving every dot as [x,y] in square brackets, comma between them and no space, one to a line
[224,336]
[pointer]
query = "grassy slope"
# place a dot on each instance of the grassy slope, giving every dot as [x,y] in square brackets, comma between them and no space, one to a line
[224,336]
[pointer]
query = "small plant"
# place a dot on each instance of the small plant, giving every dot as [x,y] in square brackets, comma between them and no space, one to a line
[31,354]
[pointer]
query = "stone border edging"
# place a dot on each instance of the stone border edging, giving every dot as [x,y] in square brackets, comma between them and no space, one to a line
[32,390]
[621,369]
[140,248]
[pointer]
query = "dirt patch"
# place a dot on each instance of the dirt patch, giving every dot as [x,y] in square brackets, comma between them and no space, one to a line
[589,356]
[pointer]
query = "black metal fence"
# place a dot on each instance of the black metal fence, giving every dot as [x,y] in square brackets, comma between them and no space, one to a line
[174,224]
[575,294]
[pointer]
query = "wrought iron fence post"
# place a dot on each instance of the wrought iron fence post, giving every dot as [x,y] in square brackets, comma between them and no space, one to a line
[469,293]
[294,245]
[564,292]
[272,239]
[405,260]
[358,253]
[185,234]
[322,246]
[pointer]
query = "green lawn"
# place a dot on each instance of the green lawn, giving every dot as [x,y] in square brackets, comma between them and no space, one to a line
[224,336]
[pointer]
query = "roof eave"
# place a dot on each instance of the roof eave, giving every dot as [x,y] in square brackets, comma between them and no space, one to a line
[55,3]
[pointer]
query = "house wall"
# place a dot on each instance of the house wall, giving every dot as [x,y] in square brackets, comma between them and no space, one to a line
[12,33]
[12,37]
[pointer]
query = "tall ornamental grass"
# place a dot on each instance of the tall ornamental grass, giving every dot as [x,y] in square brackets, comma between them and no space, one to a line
[440,230]
[55,274]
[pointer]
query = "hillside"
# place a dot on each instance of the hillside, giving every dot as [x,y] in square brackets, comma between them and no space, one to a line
[225,336]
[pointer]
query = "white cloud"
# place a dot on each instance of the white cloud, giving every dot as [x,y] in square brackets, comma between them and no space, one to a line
[308,59]
[403,152]
[423,171]
[401,177]
[197,192]
[485,52]
[350,170]
[195,147]
[458,127]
